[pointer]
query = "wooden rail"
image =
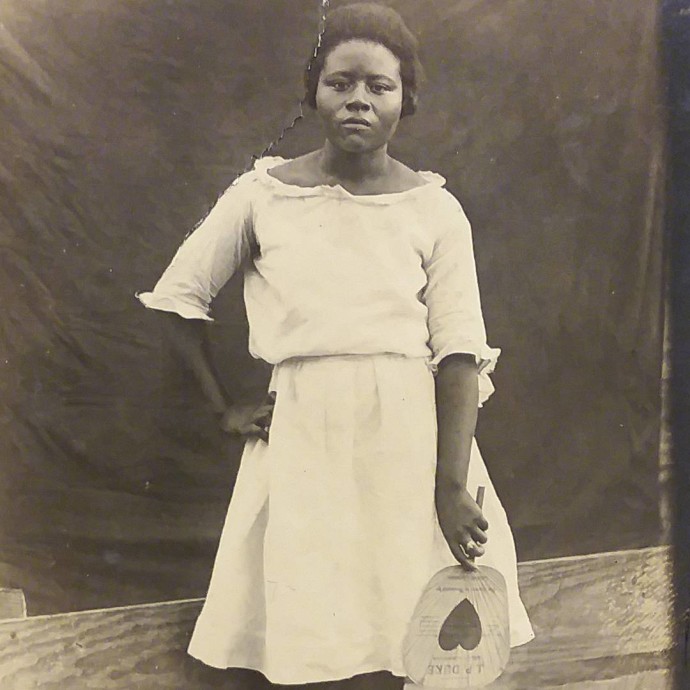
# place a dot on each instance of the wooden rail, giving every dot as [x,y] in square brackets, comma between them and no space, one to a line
[602,623]
[12,603]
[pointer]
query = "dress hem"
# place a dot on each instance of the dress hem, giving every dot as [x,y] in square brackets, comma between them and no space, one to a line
[334,676]
[290,680]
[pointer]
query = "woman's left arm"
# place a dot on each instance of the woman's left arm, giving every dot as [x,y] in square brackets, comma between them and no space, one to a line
[457,338]
[460,518]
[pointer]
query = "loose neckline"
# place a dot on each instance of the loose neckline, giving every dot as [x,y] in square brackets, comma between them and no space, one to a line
[262,166]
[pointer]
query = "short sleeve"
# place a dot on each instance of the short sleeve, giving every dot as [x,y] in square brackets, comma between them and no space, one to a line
[208,257]
[455,320]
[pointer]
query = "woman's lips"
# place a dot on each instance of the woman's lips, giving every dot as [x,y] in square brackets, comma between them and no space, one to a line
[355,123]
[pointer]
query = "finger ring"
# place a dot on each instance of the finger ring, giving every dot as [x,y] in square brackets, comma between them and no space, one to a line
[471,544]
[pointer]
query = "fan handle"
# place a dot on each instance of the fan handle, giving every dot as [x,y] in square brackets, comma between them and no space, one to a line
[480,496]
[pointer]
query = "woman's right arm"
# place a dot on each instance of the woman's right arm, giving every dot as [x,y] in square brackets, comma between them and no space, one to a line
[202,265]
[188,339]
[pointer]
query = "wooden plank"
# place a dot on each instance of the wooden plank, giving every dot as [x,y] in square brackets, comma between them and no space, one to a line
[603,618]
[647,680]
[595,617]
[542,673]
[12,604]
[651,680]
[602,605]
[131,647]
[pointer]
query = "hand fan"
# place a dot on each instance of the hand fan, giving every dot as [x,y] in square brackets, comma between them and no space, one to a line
[459,635]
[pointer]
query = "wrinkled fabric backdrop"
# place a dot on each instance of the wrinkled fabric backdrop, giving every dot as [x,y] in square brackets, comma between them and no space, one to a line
[123,120]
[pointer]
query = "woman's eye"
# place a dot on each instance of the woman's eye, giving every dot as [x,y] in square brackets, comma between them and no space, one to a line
[339,85]
[379,88]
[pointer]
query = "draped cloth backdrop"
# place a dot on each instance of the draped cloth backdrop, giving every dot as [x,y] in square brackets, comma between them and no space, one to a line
[122,122]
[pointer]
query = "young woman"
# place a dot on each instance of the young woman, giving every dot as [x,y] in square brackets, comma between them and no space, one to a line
[357,478]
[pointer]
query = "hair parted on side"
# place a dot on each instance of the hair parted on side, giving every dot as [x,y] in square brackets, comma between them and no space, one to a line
[367,21]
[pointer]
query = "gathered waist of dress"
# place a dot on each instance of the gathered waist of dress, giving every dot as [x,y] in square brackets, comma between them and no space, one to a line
[338,359]
[327,366]
[384,363]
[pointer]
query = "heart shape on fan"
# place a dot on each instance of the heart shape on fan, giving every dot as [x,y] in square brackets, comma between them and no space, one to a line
[462,628]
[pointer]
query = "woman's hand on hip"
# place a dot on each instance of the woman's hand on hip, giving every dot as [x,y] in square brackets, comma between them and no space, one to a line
[250,420]
[462,523]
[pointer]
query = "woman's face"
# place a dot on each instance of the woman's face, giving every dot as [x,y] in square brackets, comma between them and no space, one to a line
[359,96]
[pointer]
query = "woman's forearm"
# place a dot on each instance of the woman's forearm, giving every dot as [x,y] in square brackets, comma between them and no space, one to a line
[457,396]
[189,340]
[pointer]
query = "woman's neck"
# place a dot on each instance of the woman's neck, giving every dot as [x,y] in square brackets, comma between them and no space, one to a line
[355,167]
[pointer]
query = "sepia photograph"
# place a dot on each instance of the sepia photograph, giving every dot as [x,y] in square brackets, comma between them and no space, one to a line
[337,344]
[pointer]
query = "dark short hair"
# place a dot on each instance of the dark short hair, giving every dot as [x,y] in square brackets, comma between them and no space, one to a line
[367,21]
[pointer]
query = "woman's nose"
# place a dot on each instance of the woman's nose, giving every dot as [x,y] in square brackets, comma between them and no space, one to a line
[358,98]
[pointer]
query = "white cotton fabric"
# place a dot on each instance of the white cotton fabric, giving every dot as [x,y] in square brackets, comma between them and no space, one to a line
[328,272]
[331,534]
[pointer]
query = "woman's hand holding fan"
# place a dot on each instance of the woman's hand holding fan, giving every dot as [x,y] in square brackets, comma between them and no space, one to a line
[459,635]
[462,522]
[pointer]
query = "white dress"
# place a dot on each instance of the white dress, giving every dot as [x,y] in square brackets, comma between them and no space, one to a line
[331,534]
